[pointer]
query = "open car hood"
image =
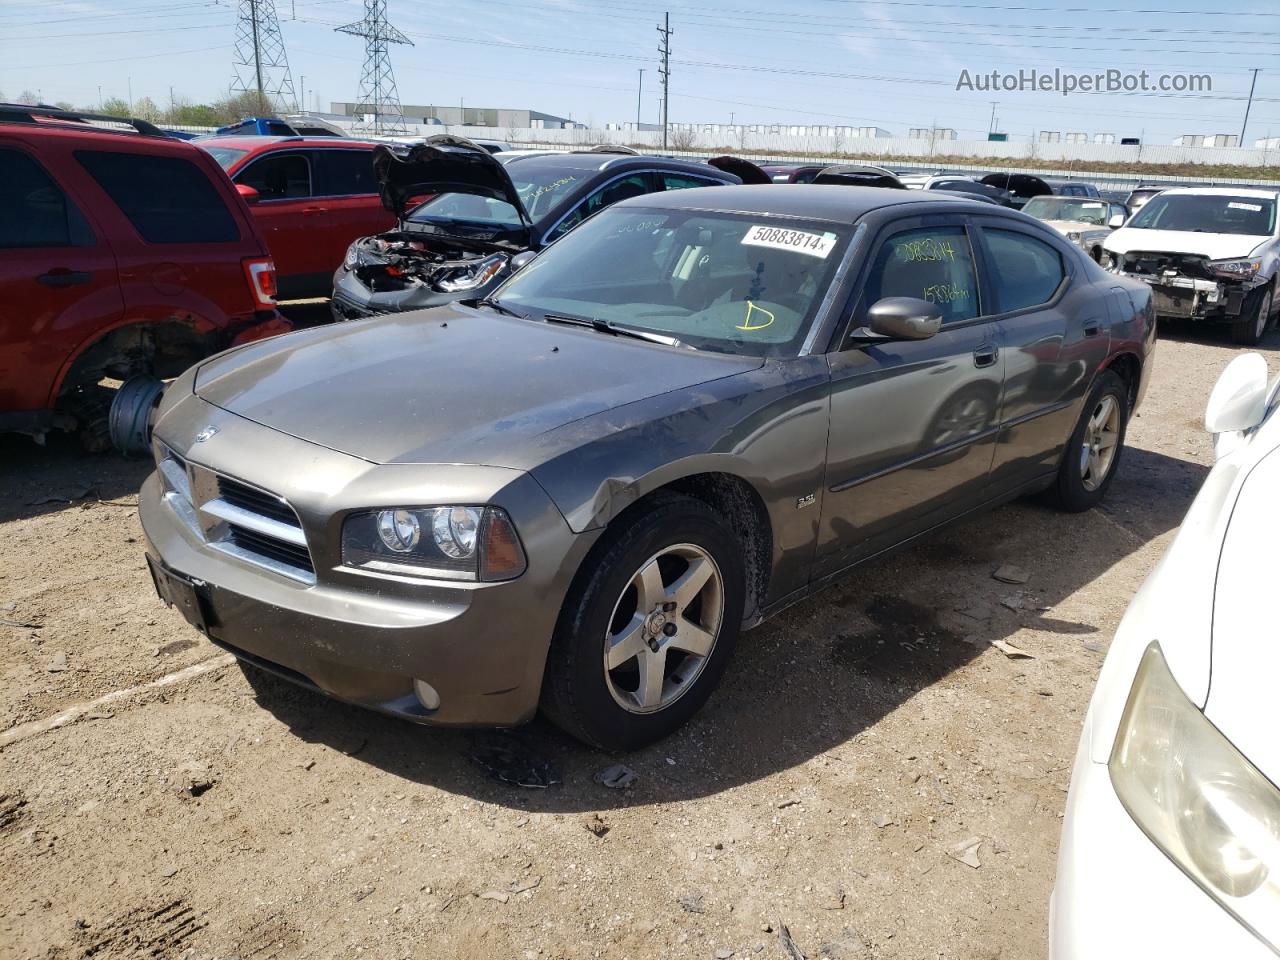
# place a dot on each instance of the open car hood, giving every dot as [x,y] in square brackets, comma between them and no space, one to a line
[1022,185]
[859,175]
[744,170]
[441,164]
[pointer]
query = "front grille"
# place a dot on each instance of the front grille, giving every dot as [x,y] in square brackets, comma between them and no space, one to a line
[256,501]
[258,543]
[1154,263]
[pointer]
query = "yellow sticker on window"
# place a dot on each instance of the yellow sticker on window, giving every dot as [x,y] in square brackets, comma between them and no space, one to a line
[758,323]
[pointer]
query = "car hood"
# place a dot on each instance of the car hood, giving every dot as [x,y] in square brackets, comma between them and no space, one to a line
[449,385]
[1214,246]
[1245,661]
[441,164]
[743,169]
[1072,226]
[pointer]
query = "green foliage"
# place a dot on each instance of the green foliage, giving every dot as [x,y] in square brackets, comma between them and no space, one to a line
[115,107]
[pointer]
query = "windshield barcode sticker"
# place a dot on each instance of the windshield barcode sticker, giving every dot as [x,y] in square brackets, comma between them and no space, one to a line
[801,241]
[1092,206]
[1233,205]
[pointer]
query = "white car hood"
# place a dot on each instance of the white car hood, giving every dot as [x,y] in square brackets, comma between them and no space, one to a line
[1246,650]
[1215,246]
[1073,226]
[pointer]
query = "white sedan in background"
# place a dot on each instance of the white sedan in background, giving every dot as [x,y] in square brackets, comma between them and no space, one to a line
[1171,839]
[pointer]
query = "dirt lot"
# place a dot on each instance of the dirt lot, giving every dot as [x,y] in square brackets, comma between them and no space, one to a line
[857,739]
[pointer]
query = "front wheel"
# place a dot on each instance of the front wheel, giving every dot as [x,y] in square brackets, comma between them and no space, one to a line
[648,627]
[1093,452]
[1248,330]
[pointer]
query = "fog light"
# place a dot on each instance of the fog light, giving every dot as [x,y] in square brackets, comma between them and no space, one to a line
[427,694]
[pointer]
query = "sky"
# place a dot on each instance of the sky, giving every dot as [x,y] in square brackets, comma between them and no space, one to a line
[888,63]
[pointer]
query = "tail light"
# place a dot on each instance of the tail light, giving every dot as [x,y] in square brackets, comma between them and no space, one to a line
[261,274]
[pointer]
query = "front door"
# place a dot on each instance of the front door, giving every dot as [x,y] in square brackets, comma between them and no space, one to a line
[913,424]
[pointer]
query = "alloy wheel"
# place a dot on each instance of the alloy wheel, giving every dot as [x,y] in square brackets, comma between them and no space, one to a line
[664,628]
[1100,442]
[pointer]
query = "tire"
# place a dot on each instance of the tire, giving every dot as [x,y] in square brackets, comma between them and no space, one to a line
[1249,329]
[1083,478]
[613,708]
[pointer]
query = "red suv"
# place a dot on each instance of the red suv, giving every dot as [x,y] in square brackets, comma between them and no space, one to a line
[311,196]
[122,253]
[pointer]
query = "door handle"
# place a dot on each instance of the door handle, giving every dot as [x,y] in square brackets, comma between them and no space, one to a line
[315,209]
[1092,328]
[985,355]
[62,277]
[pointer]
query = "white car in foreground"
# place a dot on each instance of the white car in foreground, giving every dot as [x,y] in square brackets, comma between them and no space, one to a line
[1171,838]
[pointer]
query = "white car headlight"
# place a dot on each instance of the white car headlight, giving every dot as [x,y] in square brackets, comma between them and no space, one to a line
[1074,236]
[352,257]
[1234,269]
[473,275]
[1198,798]
[449,543]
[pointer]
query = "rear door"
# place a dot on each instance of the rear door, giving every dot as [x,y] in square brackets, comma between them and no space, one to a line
[290,217]
[913,424]
[347,194]
[58,278]
[1052,327]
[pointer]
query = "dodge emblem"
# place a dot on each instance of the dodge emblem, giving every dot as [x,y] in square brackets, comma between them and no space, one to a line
[205,434]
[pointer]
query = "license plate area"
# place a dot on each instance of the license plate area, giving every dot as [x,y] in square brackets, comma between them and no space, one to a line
[180,592]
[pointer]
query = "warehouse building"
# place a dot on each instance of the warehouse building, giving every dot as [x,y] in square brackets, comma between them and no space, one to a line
[468,116]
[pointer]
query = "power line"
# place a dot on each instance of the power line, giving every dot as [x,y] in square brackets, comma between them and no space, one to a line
[378,93]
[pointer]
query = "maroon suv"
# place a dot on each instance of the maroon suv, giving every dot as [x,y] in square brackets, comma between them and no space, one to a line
[123,252]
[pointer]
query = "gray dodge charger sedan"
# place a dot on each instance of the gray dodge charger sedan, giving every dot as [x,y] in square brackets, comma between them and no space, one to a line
[690,412]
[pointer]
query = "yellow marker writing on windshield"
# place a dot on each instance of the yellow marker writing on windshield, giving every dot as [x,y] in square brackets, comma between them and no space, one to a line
[746,322]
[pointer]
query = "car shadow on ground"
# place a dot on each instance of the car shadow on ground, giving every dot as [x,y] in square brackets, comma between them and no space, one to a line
[816,676]
[36,480]
[1213,334]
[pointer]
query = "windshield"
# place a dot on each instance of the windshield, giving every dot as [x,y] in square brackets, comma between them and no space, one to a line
[539,191]
[1207,213]
[226,156]
[733,283]
[1058,208]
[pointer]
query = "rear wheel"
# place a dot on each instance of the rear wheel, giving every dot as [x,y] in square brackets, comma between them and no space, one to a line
[649,628]
[1093,452]
[1248,330]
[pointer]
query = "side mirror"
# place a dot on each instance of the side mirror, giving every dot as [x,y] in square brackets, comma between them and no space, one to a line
[521,260]
[899,318]
[250,194]
[1239,398]
[1117,220]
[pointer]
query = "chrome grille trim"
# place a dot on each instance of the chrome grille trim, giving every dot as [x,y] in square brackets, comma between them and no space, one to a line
[258,523]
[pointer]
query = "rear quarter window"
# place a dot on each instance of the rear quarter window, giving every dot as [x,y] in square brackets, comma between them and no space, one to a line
[34,211]
[167,199]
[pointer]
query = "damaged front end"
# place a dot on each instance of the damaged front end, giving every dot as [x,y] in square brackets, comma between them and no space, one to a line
[1191,286]
[400,271]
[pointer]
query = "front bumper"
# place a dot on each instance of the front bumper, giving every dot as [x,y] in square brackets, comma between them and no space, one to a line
[1118,897]
[352,300]
[365,639]
[1192,298]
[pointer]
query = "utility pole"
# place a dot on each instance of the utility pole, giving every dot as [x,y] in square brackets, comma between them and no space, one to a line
[664,71]
[1248,105]
[992,125]
[639,93]
[302,92]
[131,96]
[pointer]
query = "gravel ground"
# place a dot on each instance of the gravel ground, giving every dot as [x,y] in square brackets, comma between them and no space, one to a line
[873,777]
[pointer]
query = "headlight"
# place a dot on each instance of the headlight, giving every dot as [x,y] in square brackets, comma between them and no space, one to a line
[450,543]
[1198,799]
[1234,269]
[1074,236]
[1108,261]
[473,275]
[352,257]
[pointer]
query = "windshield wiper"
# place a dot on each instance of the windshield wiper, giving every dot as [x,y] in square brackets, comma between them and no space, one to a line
[604,326]
[500,308]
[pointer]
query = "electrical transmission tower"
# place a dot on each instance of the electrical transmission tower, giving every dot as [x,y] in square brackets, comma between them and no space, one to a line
[664,71]
[378,94]
[260,64]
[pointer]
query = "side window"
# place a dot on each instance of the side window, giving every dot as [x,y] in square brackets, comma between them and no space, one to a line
[34,212]
[635,185]
[344,173]
[676,181]
[931,263]
[167,199]
[279,176]
[1025,271]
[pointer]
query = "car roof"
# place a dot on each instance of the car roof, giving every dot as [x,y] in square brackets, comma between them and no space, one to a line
[1222,192]
[588,162]
[258,144]
[834,203]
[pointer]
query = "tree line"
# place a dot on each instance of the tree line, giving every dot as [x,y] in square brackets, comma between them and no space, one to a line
[181,112]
